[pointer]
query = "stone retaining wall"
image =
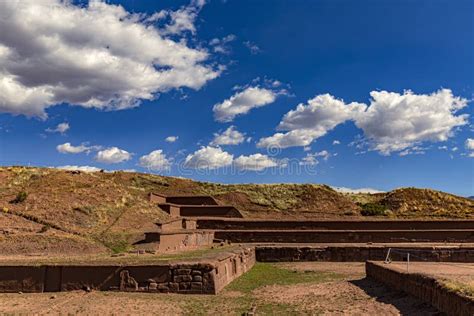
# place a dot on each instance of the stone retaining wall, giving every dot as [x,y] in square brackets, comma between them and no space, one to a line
[424,287]
[359,253]
[207,277]
[176,241]
[260,224]
[345,236]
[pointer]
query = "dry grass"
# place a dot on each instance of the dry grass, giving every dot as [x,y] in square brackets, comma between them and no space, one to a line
[466,289]
[113,209]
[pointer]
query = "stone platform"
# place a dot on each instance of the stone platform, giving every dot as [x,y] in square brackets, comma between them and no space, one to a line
[424,286]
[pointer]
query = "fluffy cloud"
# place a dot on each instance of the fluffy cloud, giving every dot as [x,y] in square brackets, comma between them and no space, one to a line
[95,56]
[324,154]
[171,139]
[67,148]
[79,168]
[336,142]
[310,158]
[179,21]
[208,158]
[392,121]
[470,143]
[156,160]
[253,48]
[230,136]
[220,45]
[113,155]
[469,146]
[311,121]
[242,102]
[256,162]
[60,128]
[355,191]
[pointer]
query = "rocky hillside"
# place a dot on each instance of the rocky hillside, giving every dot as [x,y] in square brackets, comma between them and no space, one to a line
[91,212]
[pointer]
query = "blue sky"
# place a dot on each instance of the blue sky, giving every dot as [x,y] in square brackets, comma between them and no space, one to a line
[226,78]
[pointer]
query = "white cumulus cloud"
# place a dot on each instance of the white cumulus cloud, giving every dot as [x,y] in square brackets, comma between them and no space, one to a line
[113,155]
[208,158]
[255,162]
[470,143]
[392,122]
[242,102]
[356,191]
[67,148]
[156,160]
[230,136]
[79,168]
[311,121]
[95,56]
[171,139]
[60,128]
[309,160]
[179,21]
[469,146]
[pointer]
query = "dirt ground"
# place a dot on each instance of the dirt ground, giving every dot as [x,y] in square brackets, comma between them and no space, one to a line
[456,274]
[320,288]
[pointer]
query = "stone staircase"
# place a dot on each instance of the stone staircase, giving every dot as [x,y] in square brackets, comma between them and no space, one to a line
[193,206]
[181,232]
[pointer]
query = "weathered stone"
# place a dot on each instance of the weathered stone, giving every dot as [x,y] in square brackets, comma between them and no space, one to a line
[196,272]
[196,286]
[127,282]
[174,287]
[183,271]
[187,278]
[197,278]
[182,278]
[163,288]
[152,286]
[184,286]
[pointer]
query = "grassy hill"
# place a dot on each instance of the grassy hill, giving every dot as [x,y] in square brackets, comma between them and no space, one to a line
[51,210]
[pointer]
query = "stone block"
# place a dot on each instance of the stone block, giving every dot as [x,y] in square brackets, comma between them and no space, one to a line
[163,288]
[174,287]
[183,271]
[183,286]
[196,286]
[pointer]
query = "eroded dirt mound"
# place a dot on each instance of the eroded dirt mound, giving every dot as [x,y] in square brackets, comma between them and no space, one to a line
[288,200]
[112,209]
[108,209]
[426,202]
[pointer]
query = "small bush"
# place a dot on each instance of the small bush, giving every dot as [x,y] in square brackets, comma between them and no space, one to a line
[20,197]
[373,209]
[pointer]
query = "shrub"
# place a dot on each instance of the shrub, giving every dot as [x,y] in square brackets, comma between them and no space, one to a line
[373,209]
[20,197]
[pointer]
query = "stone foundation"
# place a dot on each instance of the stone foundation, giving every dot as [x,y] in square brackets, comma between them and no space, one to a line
[359,253]
[267,224]
[424,287]
[345,236]
[176,241]
[207,277]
